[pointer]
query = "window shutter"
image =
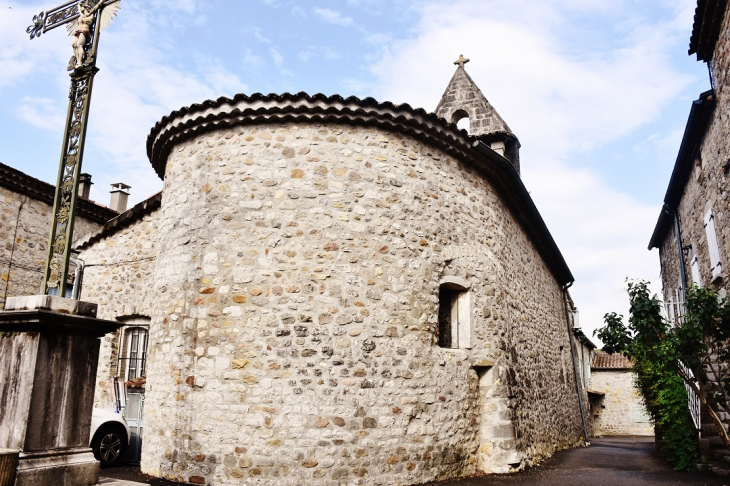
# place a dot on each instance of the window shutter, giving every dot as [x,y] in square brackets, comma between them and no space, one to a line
[679,302]
[455,324]
[464,305]
[712,244]
[695,267]
[670,308]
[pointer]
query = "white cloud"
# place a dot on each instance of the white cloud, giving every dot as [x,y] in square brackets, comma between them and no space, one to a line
[19,55]
[660,146]
[252,61]
[318,52]
[222,81]
[602,234]
[44,113]
[261,37]
[356,86]
[137,84]
[333,17]
[277,58]
[378,39]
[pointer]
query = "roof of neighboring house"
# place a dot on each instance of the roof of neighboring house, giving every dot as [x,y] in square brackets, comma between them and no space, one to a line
[699,119]
[20,182]
[706,28]
[123,220]
[615,361]
[241,110]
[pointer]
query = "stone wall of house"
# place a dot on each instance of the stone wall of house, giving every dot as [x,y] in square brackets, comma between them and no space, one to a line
[24,226]
[621,410]
[707,186]
[295,308]
[119,278]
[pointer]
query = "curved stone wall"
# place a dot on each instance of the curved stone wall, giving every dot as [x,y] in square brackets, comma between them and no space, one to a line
[294,331]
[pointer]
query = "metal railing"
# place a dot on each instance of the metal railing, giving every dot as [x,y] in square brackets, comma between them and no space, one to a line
[693,401]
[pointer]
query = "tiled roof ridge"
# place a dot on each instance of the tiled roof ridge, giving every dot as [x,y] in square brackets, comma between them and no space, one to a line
[369,100]
[299,107]
[613,361]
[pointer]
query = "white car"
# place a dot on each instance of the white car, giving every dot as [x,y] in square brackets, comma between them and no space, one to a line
[109,435]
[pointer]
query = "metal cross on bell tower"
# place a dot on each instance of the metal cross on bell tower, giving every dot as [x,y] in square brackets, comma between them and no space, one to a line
[84,19]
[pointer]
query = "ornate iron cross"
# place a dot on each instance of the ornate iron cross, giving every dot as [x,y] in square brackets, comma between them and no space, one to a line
[84,20]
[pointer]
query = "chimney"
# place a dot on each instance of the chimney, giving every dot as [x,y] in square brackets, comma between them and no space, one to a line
[120,193]
[84,185]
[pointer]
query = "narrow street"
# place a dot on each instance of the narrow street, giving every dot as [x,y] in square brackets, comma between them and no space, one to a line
[615,461]
[625,461]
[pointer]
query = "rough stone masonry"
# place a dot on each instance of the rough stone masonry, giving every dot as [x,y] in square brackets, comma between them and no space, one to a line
[301,246]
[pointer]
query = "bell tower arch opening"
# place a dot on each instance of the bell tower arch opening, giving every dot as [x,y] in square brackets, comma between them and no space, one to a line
[461,119]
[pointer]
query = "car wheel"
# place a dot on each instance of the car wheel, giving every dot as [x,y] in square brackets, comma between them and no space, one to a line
[108,445]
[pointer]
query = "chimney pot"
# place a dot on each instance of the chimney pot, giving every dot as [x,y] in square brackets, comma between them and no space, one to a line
[85,185]
[120,194]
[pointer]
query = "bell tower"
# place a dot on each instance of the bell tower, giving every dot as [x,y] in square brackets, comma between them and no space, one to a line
[464,99]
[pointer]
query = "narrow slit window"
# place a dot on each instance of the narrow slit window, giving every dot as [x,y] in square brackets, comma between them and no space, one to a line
[454,317]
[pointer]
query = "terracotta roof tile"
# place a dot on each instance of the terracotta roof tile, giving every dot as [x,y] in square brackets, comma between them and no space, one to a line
[615,361]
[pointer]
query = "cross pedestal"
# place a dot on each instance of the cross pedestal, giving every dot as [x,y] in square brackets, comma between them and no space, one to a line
[49,351]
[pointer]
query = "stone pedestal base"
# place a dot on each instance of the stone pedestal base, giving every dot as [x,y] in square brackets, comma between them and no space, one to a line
[49,349]
[72,467]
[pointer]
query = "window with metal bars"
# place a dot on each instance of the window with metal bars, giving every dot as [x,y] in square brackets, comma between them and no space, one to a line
[132,360]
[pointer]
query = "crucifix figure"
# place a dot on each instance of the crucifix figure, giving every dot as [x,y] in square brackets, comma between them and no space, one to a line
[461,61]
[84,19]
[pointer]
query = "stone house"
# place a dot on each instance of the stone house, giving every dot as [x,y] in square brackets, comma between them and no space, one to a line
[335,290]
[693,229]
[618,409]
[585,352]
[26,207]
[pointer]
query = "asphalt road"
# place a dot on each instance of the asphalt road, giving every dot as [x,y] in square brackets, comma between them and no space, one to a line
[615,461]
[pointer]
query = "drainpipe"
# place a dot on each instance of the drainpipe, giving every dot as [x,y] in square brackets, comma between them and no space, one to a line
[78,276]
[572,355]
[682,273]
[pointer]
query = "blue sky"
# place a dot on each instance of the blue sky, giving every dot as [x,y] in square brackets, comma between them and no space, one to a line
[598,91]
